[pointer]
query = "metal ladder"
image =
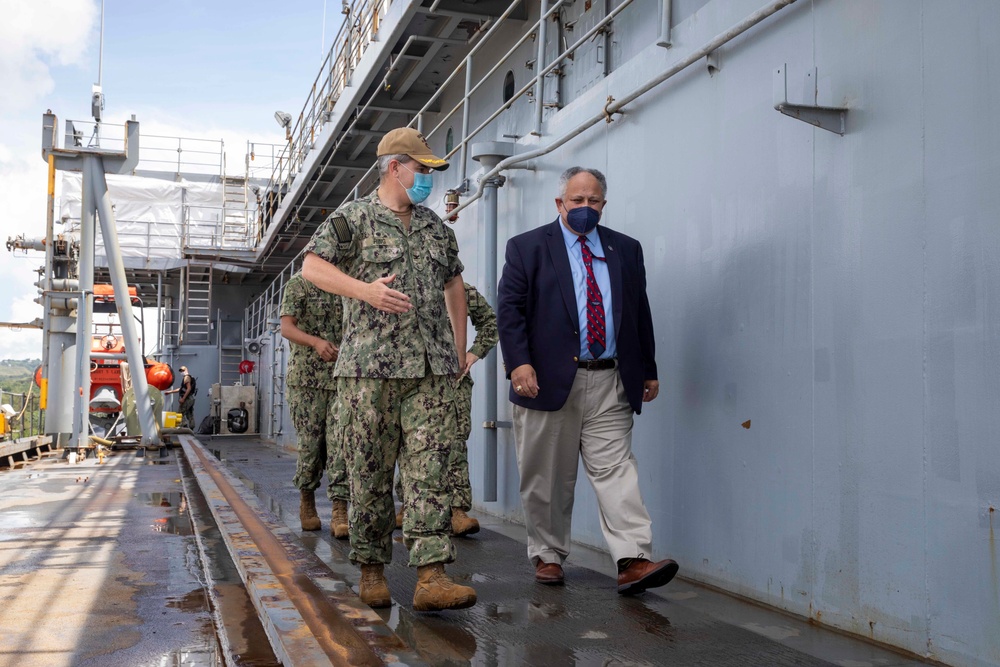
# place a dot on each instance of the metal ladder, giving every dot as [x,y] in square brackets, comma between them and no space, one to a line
[234,212]
[230,344]
[278,347]
[196,303]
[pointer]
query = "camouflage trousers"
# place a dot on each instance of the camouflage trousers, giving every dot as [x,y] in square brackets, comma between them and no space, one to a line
[187,413]
[314,416]
[457,478]
[412,421]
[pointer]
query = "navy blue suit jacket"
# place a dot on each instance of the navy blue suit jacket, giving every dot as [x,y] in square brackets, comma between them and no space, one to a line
[539,322]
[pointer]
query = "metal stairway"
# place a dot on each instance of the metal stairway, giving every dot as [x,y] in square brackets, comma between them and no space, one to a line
[230,343]
[234,212]
[196,304]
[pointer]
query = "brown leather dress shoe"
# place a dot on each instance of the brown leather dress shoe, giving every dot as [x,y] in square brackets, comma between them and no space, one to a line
[550,574]
[642,574]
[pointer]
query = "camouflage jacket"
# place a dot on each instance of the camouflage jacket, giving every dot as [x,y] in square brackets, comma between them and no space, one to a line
[365,240]
[318,313]
[484,319]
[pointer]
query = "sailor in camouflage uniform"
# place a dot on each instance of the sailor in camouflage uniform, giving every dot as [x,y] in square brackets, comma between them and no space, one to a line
[397,266]
[311,321]
[485,321]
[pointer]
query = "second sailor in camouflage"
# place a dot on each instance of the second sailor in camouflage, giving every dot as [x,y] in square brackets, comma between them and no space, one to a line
[484,320]
[311,321]
[397,266]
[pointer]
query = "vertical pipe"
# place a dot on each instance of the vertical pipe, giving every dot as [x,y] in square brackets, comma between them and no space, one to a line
[85,307]
[666,17]
[539,66]
[116,267]
[465,122]
[490,288]
[50,214]
[160,344]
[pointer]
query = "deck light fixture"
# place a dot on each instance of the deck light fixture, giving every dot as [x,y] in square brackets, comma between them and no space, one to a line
[284,120]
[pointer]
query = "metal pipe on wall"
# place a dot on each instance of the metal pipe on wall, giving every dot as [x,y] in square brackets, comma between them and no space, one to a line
[463,160]
[85,307]
[489,154]
[666,18]
[489,284]
[45,283]
[616,106]
[539,67]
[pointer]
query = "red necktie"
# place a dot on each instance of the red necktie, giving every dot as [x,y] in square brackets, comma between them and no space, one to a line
[595,305]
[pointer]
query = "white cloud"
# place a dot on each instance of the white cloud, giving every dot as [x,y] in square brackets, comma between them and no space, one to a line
[35,36]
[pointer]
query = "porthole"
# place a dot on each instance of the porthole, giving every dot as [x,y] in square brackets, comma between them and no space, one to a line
[508,87]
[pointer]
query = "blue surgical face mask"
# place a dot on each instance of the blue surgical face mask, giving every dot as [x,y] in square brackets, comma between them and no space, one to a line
[582,219]
[421,188]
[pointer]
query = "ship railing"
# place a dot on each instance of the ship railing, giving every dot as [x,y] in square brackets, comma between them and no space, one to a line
[28,419]
[206,227]
[533,89]
[356,33]
[168,334]
[177,155]
[263,314]
[139,238]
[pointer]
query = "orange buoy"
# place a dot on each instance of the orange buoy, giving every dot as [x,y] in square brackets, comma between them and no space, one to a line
[160,376]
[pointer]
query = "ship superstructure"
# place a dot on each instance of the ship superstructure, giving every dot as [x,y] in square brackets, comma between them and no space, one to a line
[812,184]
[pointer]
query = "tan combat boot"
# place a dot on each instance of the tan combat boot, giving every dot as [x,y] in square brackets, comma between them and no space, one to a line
[399,518]
[373,590]
[435,590]
[462,524]
[307,511]
[338,523]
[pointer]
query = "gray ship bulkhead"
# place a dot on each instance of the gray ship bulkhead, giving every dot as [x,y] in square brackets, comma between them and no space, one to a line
[826,305]
[836,293]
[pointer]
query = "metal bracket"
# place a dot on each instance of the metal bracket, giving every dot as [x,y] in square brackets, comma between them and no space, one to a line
[712,63]
[498,424]
[69,158]
[832,119]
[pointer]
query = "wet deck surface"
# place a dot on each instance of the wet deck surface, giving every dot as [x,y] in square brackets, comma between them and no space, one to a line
[585,622]
[101,566]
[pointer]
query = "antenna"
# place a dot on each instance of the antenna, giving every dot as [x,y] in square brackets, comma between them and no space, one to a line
[322,44]
[97,93]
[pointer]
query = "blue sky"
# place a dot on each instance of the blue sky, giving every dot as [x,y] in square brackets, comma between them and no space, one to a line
[215,69]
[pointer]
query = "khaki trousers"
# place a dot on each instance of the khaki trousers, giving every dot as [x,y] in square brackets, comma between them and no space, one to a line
[595,424]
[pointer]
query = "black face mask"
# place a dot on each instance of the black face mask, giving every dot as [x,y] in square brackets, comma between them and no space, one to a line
[582,219]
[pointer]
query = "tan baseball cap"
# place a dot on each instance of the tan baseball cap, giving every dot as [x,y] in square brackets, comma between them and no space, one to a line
[407,141]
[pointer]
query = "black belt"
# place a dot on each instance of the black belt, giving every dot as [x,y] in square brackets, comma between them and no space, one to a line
[597,364]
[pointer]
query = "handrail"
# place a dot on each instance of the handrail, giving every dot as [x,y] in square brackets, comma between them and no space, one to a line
[427,105]
[480,43]
[612,107]
[155,149]
[541,73]
[344,54]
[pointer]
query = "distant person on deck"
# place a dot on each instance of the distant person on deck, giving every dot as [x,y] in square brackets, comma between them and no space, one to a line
[188,389]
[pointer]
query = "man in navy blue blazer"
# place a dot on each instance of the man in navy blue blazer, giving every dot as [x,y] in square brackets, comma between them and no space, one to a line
[577,339]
